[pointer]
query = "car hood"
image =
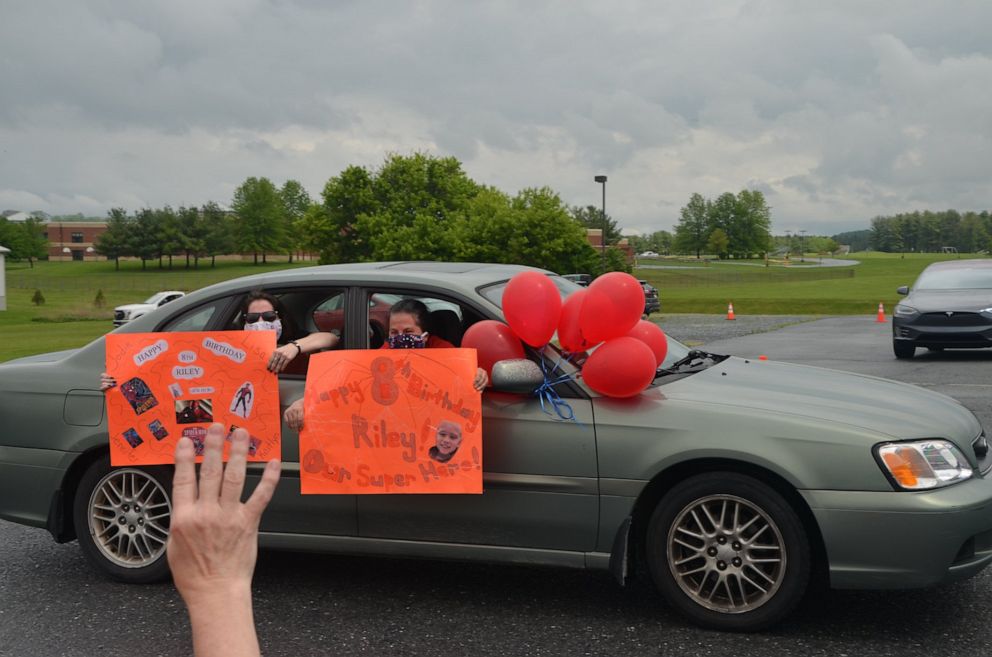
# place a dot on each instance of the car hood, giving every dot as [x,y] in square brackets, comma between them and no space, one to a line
[894,409]
[135,306]
[956,300]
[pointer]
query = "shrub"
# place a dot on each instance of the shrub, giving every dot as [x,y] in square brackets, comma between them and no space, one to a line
[38,299]
[100,301]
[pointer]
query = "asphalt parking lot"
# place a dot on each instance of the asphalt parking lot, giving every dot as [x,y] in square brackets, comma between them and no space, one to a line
[51,603]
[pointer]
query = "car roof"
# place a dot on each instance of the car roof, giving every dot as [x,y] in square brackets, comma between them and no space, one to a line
[963,264]
[463,276]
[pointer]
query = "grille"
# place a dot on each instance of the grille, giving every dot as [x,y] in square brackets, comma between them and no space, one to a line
[955,319]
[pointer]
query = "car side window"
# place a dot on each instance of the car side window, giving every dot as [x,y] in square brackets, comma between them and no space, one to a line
[195,319]
[445,320]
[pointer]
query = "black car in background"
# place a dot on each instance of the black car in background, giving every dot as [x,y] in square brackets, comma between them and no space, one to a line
[652,303]
[949,307]
[579,279]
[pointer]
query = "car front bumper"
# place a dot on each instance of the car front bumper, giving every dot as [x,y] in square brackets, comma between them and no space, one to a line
[973,332]
[903,540]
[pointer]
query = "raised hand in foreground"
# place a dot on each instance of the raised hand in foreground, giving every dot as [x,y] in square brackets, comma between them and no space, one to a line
[213,542]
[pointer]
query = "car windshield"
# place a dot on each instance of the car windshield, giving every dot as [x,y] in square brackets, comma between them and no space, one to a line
[955,279]
[494,293]
[155,298]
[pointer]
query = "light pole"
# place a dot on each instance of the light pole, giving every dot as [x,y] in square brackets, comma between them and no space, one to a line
[788,244]
[802,246]
[602,241]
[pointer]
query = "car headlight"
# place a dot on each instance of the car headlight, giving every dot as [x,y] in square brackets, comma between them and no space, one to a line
[924,464]
[902,310]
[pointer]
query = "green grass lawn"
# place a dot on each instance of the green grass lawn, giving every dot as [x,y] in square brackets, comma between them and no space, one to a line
[70,319]
[791,290]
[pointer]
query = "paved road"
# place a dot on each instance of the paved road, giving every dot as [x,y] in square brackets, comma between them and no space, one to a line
[51,603]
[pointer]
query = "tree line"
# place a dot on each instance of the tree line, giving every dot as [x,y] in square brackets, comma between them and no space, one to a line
[729,226]
[927,231]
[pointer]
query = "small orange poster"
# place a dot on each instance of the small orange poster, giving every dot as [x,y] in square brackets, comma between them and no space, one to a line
[177,384]
[392,421]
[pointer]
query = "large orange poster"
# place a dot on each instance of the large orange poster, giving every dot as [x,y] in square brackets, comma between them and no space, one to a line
[177,384]
[392,421]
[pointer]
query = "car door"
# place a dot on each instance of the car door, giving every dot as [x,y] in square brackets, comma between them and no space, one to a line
[289,511]
[539,480]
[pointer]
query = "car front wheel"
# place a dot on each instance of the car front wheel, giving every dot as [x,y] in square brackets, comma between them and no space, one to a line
[728,552]
[903,349]
[122,520]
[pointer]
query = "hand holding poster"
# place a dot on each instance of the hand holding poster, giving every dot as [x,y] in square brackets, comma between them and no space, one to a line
[177,384]
[392,421]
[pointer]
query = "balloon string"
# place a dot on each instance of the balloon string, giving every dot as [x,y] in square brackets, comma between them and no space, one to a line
[548,396]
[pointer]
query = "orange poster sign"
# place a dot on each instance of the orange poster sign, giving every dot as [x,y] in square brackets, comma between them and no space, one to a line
[392,421]
[177,384]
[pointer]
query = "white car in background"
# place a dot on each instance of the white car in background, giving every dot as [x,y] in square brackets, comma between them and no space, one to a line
[124,314]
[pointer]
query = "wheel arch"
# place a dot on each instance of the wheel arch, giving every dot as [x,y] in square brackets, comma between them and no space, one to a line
[60,522]
[664,481]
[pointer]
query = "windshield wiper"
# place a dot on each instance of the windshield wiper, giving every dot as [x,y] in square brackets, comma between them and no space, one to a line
[695,361]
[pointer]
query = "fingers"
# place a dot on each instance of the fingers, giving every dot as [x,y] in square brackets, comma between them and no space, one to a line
[184,480]
[212,468]
[234,473]
[266,488]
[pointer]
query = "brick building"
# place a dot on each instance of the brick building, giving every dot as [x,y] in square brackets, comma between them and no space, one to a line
[76,236]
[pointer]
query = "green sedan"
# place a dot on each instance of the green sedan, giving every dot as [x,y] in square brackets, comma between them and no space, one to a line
[730,482]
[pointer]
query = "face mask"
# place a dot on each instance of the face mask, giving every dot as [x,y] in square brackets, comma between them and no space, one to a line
[407,341]
[263,325]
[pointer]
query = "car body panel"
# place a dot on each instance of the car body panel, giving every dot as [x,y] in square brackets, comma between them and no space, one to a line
[555,492]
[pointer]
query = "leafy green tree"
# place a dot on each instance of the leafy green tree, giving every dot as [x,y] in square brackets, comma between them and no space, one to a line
[694,227]
[218,232]
[295,203]
[116,242]
[27,240]
[168,235]
[142,241]
[260,227]
[718,243]
[192,233]
[333,232]
[592,217]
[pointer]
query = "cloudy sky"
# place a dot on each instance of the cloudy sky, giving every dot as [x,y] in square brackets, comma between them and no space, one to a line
[837,110]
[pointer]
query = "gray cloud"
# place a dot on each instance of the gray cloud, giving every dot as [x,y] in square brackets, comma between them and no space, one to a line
[837,111]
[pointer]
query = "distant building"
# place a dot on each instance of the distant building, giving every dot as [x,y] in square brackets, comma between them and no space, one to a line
[595,238]
[73,240]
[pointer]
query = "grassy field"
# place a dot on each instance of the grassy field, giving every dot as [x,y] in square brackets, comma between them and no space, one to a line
[70,319]
[757,290]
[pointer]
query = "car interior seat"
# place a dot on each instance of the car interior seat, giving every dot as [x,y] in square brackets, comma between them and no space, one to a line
[446,324]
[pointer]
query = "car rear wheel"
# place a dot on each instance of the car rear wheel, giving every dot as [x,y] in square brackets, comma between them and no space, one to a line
[903,349]
[728,552]
[122,520]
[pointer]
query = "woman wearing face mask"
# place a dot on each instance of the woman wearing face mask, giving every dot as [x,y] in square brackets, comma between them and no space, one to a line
[264,312]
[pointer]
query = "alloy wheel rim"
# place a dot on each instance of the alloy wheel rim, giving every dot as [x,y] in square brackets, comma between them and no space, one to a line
[129,518]
[726,554]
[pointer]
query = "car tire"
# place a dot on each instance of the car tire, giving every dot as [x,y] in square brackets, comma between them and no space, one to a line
[728,552]
[122,519]
[903,349]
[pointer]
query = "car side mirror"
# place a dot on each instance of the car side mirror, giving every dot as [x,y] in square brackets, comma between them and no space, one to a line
[517,375]
[903,290]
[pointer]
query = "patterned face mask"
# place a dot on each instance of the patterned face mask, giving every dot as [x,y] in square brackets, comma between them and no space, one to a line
[263,325]
[407,341]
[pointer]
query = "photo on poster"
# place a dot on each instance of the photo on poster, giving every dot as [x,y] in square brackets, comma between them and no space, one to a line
[243,400]
[253,442]
[197,435]
[447,440]
[194,411]
[138,395]
[132,438]
[158,430]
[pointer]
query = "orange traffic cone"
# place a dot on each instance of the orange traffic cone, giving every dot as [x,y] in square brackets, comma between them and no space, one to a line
[881,314]
[730,312]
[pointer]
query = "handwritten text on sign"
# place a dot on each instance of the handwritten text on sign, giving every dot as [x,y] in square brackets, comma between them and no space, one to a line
[392,421]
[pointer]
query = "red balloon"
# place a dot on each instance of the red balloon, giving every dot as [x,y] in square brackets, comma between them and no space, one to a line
[532,305]
[622,367]
[494,341]
[614,303]
[651,334]
[569,332]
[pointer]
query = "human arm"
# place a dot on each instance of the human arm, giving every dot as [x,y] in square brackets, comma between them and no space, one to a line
[284,355]
[106,382]
[481,380]
[294,415]
[213,542]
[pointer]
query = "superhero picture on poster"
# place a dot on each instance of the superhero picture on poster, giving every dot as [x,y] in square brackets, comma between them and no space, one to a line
[177,384]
